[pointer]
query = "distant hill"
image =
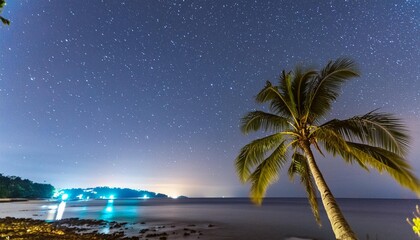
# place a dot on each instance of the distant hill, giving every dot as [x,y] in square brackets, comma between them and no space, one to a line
[106,193]
[16,187]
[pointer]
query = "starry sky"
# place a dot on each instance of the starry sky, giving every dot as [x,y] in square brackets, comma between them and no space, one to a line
[149,94]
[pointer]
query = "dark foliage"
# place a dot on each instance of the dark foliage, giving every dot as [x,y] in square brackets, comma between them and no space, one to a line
[16,187]
[97,192]
[4,20]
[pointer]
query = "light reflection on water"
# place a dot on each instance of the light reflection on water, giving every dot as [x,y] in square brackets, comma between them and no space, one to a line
[107,214]
[56,212]
[60,210]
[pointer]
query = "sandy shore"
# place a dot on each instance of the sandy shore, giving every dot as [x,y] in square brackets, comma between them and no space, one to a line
[74,228]
[79,229]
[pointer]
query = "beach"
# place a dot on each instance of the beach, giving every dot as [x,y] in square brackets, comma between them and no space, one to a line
[75,228]
[279,218]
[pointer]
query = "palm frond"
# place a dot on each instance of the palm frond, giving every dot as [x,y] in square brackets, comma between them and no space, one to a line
[253,153]
[384,160]
[285,87]
[267,173]
[365,155]
[284,83]
[300,87]
[278,102]
[335,144]
[256,120]
[300,166]
[2,4]
[377,129]
[296,165]
[5,21]
[325,88]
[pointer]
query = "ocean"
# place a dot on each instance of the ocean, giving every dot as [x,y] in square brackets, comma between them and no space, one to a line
[236,218]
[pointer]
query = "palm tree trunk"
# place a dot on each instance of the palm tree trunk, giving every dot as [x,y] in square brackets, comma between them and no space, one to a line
[338,223]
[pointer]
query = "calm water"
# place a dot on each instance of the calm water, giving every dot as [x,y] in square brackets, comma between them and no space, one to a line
[278,218]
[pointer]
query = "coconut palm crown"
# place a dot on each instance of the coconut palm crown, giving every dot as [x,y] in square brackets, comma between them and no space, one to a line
[297,105]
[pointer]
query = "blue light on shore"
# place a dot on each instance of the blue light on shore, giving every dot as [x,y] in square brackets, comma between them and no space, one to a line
[64,197]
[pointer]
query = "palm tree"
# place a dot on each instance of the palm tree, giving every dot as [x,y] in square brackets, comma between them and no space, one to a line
[297,106]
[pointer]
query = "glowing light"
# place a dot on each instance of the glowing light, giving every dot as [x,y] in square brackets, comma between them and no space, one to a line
[174,197]
[60,210]
[111,197]
[145,196]
[56,194]
[108,210]
[80,196]
[64,197]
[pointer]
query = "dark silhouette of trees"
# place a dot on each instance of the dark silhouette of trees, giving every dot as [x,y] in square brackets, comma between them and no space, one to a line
[98,192]
[16,187]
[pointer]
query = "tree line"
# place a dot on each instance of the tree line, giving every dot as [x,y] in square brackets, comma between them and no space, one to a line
[106,192]
[16,187]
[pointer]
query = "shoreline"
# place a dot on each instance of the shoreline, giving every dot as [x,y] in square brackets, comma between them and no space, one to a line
[76,228]
[6,200]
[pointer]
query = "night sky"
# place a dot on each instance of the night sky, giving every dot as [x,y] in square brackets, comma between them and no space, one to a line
[149,94]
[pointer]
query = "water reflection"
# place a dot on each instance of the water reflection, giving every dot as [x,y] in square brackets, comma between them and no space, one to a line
[108,211]
[107,214]
[60,210]
[56,212]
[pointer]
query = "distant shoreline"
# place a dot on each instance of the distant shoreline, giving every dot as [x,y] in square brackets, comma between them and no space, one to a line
[5,200]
